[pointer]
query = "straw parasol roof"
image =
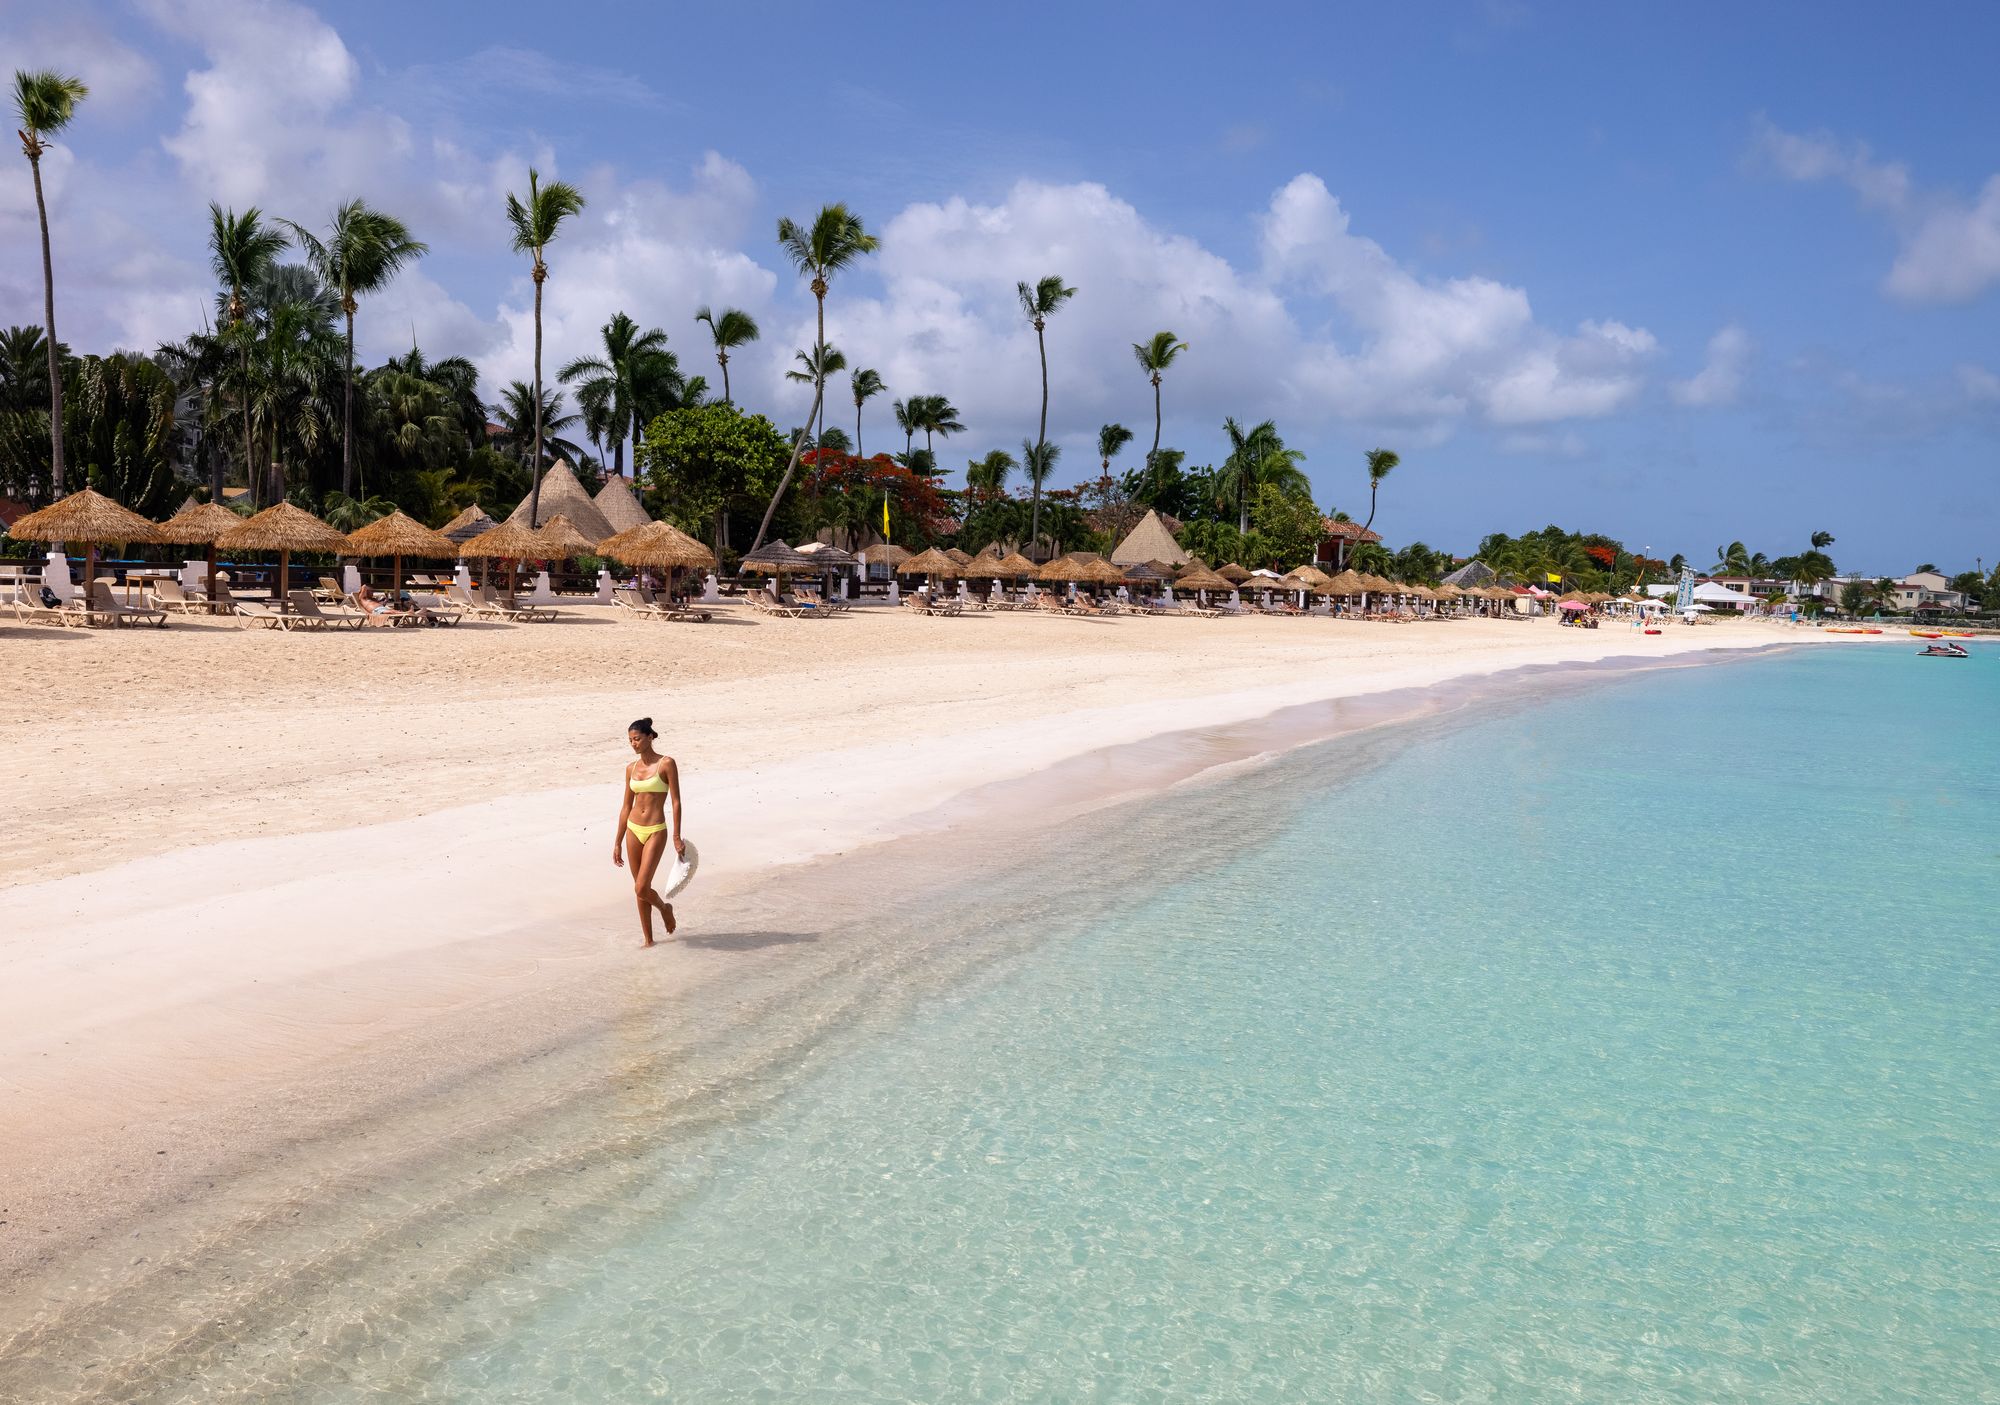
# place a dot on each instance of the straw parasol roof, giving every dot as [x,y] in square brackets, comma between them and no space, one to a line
[885,554]
[1199,577]
[826,557]
[1423,592]
[1232,572]
[1102,573]
[197,524]
[1447,591]
[930,563]
[562,494]
[963,558]
[562,540]
[1149,571]
[398,535]
[659,544]
[282,528]
[1149,541]
[776,558]
[1308,576]
[84,516]
[510,541]
[986,565]
[468,524]
[1064,568]
[1348,582]
[621,509]
[1015,564]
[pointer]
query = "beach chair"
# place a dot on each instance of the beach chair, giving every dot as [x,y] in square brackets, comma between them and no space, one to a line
[328,591]
[517,613]
[392,618]
[260,612]
[103,606]
[30,609]
[306,608]
[167,594]
[630,604]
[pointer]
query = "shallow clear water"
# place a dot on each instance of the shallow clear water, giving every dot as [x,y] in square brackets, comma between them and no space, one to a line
[1641,1044]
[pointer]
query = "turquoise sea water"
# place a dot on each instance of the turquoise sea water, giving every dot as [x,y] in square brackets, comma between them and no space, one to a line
[1631,1040]
[1640,1044]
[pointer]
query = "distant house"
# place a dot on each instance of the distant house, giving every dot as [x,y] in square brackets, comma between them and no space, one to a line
[1337,539]
[1712,593]
[1927,590]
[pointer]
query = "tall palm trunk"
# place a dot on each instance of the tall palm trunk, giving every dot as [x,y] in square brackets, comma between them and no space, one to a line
[535,469]
[1041,438]
[798,443]
[722,360]
[1156,423]
[1373,485]
[857,429]
[347,408]
[249,441]
[49,317]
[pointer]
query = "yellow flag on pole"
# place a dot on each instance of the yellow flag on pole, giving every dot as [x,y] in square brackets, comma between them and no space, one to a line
[885,514]
[1554,578]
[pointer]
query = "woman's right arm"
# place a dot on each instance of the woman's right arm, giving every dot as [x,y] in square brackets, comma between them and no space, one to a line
[618,834]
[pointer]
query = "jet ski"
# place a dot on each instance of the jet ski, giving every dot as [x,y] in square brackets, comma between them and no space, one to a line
[1944,651]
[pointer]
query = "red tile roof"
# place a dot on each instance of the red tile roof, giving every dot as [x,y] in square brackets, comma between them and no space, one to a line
[1352,531]
[12,512]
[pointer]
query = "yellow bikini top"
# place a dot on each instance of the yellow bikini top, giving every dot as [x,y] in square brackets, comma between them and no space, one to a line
[652,785]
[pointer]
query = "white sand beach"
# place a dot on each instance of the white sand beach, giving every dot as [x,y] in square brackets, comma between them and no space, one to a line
[238,863]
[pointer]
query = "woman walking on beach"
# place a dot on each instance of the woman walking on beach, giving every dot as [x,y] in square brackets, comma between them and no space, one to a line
[651,782]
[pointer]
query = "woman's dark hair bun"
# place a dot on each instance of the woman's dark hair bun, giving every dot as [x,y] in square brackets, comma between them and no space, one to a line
[644,727]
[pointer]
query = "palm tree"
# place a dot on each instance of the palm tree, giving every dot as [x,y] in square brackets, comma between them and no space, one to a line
[361,253]
[1111,438]
[1822,540]
[990,473]
[519,414]
[1257,458]
[1038,461]
[1381,463]
[535,224]
[1041,301]
[1154,357]
[618,380]
[938,416]
[909,418]
[730,328]
[242,251]
[866,384]
[834,240]
[44,102]
[819,363]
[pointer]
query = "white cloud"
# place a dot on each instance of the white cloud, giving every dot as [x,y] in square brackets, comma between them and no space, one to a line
[1720,379]
[1979,384]
[1950,247]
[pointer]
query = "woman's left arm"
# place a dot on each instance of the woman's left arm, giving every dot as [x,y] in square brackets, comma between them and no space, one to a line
[674,799]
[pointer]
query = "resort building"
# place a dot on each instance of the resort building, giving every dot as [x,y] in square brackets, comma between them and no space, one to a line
[1337,538]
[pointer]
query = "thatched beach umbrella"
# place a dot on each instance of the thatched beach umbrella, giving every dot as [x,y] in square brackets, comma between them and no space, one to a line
[659,544]
[1063,568]
[776,558]
[511,541]
[963,558]
[89,517]
[1311,577]
[399,535]
[1232,573]
[283,529]
[200,524]
[1199,577]
[562,539]
[1348,582]
[886,554]
[1149,573]
[469,523]
[1103,573]
[931,563]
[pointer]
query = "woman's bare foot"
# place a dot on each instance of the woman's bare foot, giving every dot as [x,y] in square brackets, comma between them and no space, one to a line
[667,911]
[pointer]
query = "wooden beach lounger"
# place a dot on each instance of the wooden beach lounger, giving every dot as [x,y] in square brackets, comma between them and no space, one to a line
[262,613]
[28,607]
[307,608]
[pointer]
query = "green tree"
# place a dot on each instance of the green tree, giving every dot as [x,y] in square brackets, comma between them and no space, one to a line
[242,251]
[119,417]
[833,241]
[1038,461]
[1381,463]
[24,369]
[362,251]
[815,367]
[1039,302]
[1288,526]
[1154,357]
[729,329]
[44,103]
[635,365]
[1822,540]
[989,474]
[701,460]
[866,385]
[1256,458]
[1216,541]
[1111,438]
[535,223]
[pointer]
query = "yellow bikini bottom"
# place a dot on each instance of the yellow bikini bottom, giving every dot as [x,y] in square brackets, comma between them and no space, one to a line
[643,832]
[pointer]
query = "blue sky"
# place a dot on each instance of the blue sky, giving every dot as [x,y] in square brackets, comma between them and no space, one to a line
[1682,274]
